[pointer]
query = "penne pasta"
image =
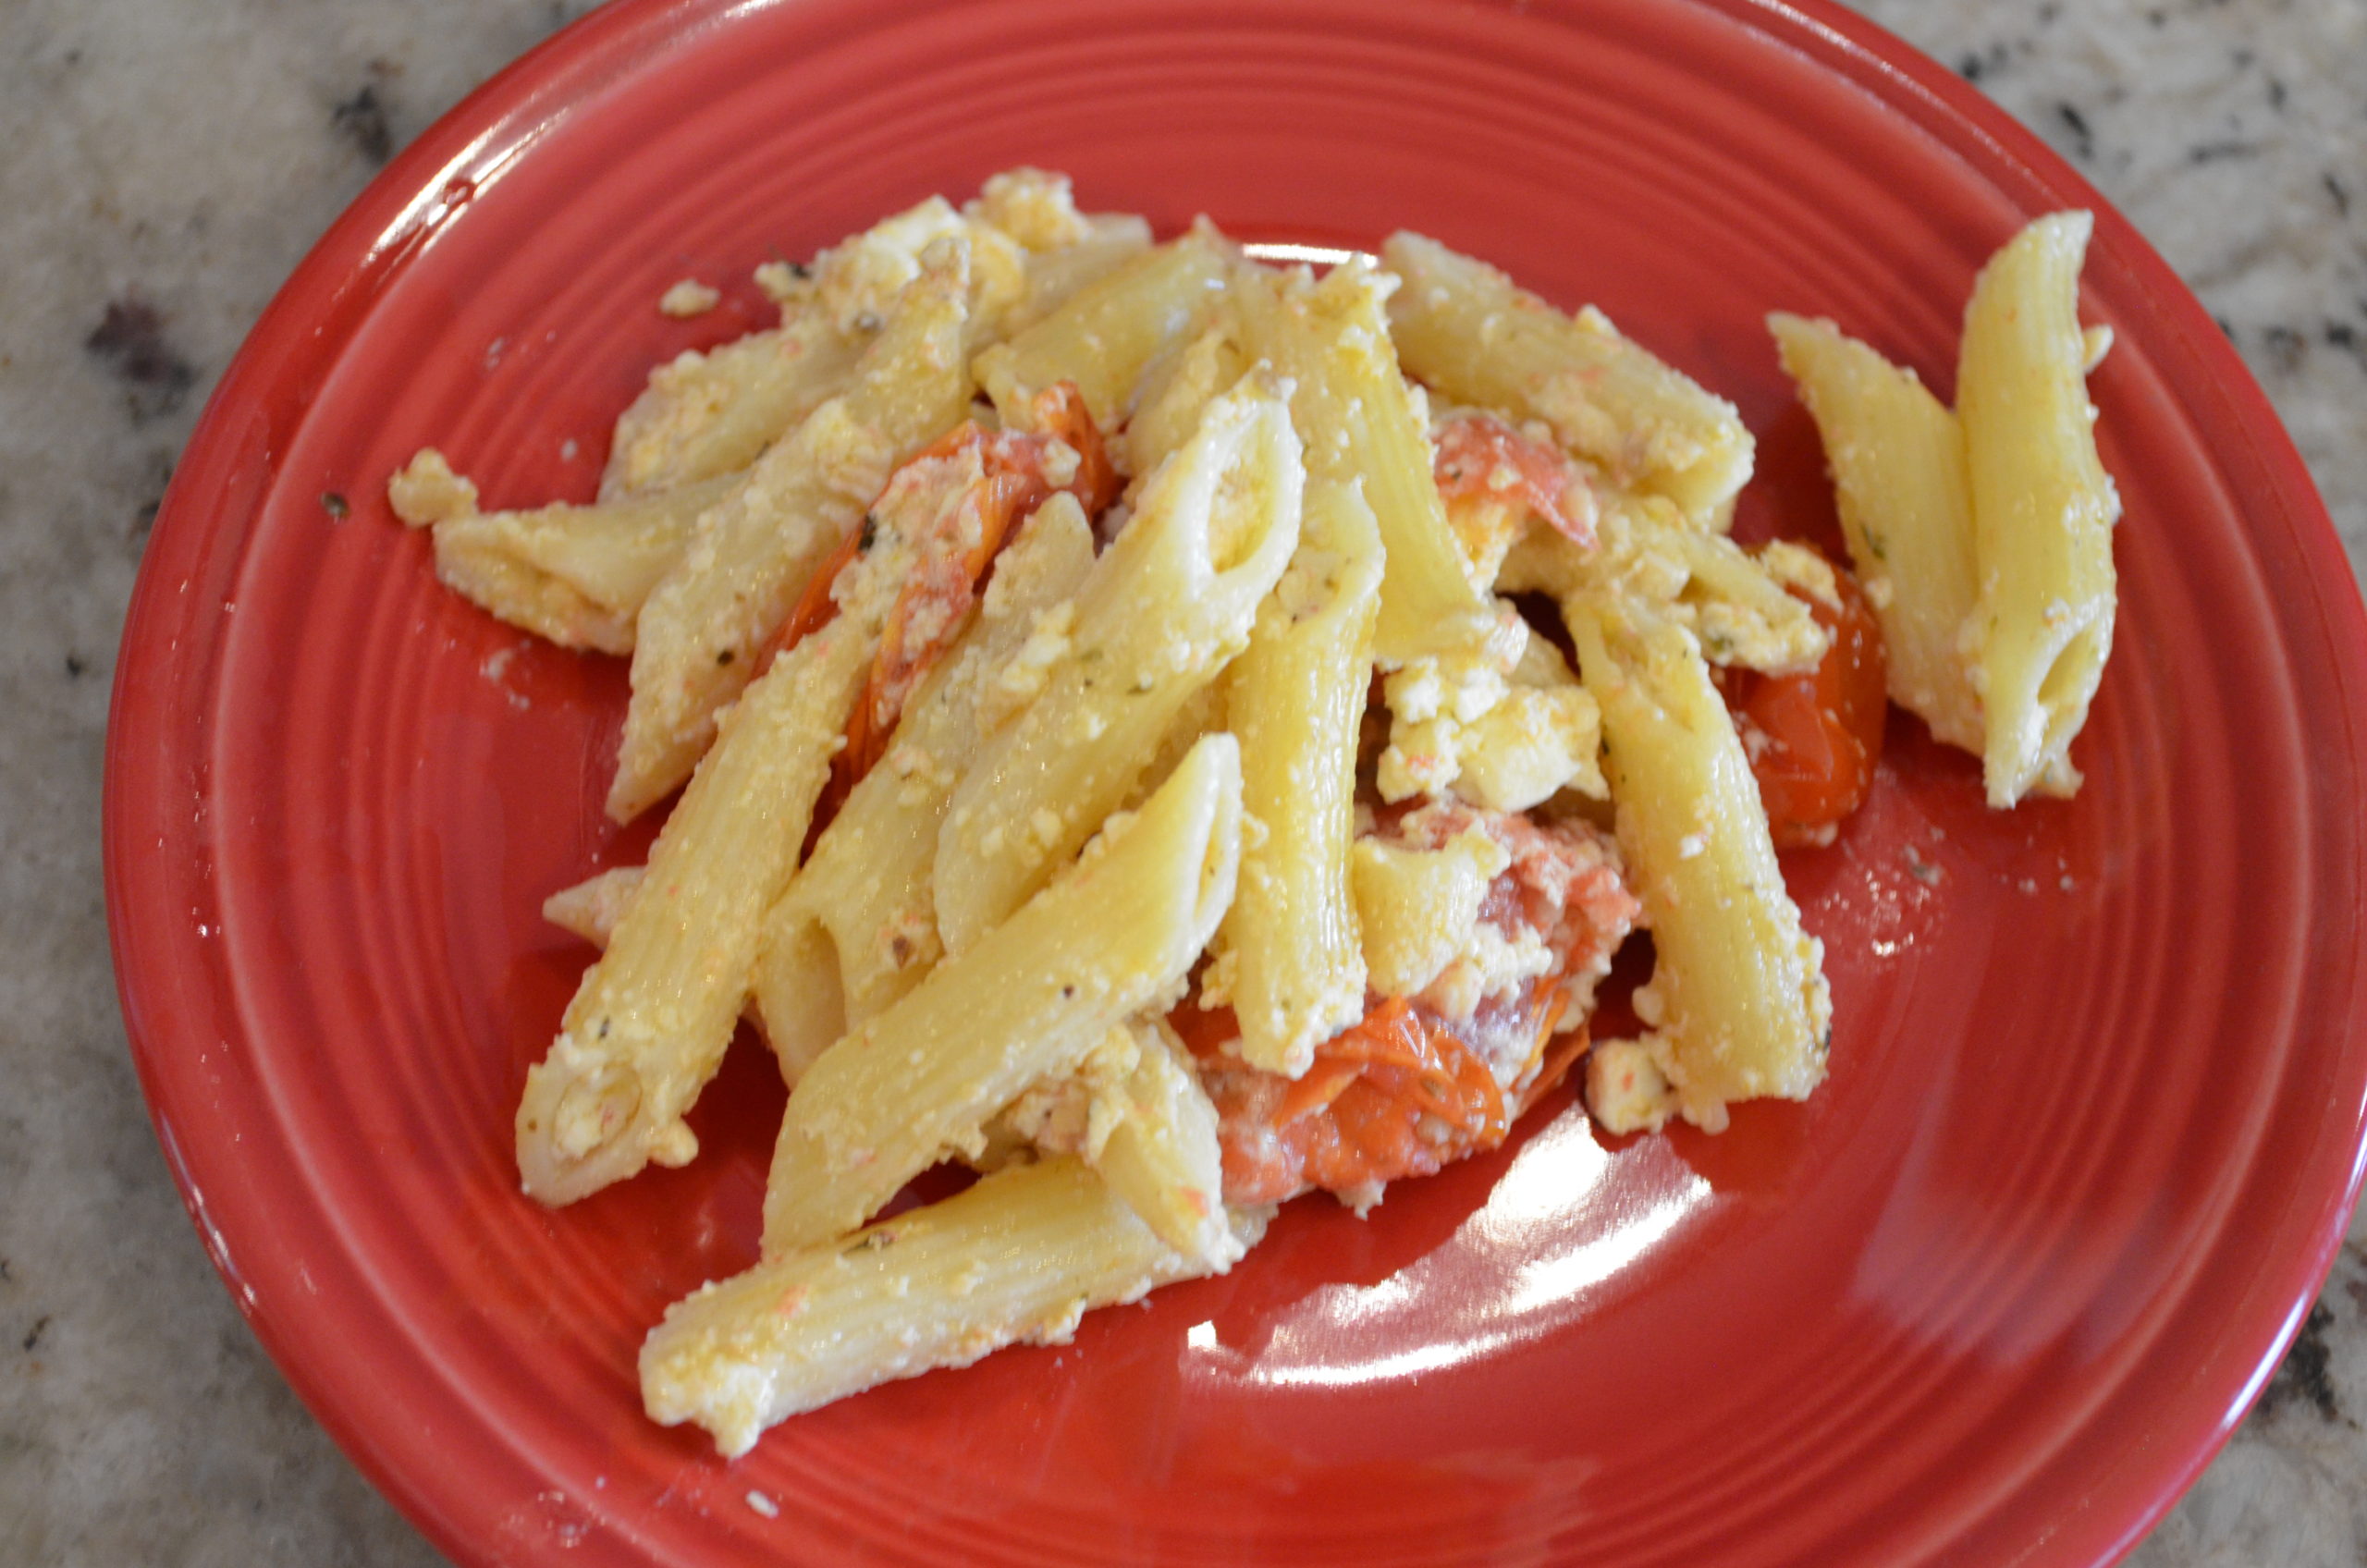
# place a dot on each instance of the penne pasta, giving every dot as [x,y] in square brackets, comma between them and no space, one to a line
[1161,1157]
[574,574]
[1896,456]
[1106,335]
[1359,424]
[1473,335]
[649,1025]
[1166,791]
[1295,700]
[1115,935]
[857,928]
[701,628]
[704,415]
[1018,1257]
[592,908]
[1177,389]
[1100,245]
[1654,566]
[2042,510]
[1737,993]
[1166,607]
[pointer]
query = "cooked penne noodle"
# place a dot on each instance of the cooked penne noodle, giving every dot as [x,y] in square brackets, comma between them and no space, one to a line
[1115,935]
[575,574]
[2042,509]
[649,1023]
[1896,456]
[861,907]
[1177,389]
[1295,699]
[1652,565]
[1166,607]
[1106,335]
[700,631]
[1737,992]
[707,414]
[1477,337]
[1359,424]
[592,908]
[1020,1256]
[704,414]
[1103,243]
[1161,1157]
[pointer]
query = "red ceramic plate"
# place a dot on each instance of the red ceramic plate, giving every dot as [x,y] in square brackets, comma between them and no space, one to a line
[1995,1295]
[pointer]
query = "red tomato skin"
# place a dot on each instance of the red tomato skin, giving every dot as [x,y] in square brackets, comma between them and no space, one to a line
[1817,734]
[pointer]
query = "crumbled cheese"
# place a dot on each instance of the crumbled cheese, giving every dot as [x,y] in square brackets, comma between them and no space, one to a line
[782,281]
[1625,1090]
[1431,703]
[1033,207]
[689,297]
[1534,742]
[1798,567]
[1217,979]
[1060,464]
[426,491]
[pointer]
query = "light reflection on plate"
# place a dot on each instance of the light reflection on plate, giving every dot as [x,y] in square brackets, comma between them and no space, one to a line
[1556,1229]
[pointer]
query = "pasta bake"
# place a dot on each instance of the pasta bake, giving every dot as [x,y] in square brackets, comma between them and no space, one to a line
[1175,734]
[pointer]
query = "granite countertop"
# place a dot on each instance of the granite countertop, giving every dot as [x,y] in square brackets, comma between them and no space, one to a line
[167,161]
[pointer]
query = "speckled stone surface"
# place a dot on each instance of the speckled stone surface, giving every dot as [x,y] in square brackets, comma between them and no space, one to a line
[165,163]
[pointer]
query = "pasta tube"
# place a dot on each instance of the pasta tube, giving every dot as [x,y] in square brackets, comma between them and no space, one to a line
[1474,335]
[1896,455]
[860,911]
[1018,1257]
[707,414]
[700,631]
[1168,605]
[1115,935]
[1162,1155]
[576,575]
[649,1025]
[1295,700]
[1652,565]
[1105,242]
[1358,422]
[592,908]
[1102,337]
[1737,993]
[2042,509]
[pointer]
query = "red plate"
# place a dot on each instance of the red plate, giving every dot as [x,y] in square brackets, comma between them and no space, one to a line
[1996,1295]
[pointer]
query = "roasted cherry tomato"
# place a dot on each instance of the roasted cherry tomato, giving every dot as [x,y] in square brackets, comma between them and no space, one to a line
[1813,738]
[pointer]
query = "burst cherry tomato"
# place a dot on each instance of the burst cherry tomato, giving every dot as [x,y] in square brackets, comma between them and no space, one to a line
[1817,734]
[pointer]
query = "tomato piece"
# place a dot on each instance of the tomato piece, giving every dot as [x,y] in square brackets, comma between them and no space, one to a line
[1396,1094]
[931,606]
[1813,738]
[1481,456]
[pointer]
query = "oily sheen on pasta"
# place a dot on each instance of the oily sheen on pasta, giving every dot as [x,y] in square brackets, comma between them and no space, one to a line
[1175,734]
